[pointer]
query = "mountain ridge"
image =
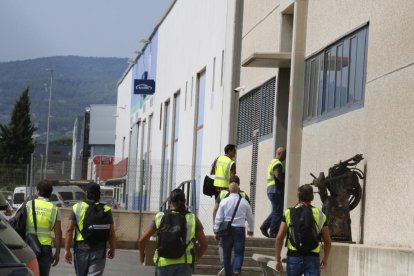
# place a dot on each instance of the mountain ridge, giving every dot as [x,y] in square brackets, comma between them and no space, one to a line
[77,83]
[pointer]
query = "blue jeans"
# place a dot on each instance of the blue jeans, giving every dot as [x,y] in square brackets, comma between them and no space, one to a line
[174,270]
[306,265]
[233,242]
[273,221]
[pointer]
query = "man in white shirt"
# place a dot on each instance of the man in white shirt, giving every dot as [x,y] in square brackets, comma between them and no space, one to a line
[237,237]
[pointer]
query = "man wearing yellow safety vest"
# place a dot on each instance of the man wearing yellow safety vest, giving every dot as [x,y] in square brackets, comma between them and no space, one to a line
[224,194]
[224,167]
[275,193]
[94,228]
[47,220]
[304,246]
[177,230]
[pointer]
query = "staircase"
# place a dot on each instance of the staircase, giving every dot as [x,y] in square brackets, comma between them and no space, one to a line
[210,262]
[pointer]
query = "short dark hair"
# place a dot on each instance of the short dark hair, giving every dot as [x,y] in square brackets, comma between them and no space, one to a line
[93,192]
[177,196]
[235,179]
[305,193]
[44,188]
[229,147]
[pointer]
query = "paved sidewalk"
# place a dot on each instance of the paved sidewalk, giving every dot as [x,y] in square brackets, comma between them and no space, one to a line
[125,263]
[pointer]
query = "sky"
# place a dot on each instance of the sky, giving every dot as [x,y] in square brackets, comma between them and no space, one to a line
[94,28]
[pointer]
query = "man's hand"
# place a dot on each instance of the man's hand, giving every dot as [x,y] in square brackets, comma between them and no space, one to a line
[279,266]
[56,258]
[324,263]
[217,237]
[68,256]
[250,234]
[111,253]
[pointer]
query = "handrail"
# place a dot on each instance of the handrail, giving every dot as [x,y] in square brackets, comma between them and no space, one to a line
[189,189]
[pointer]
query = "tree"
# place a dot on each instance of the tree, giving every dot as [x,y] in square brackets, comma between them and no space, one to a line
[16,143]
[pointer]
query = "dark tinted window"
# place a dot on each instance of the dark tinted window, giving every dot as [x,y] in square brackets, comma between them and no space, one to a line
[335,77]
[79,196]
[18,198]
[66,195]
[53,197]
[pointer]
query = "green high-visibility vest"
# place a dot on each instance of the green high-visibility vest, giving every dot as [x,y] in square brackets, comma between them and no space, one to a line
[190,218]
[79,209]
[270,174]
[222,171]
[46,214]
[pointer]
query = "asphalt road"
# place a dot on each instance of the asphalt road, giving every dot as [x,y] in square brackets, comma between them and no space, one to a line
[125,263]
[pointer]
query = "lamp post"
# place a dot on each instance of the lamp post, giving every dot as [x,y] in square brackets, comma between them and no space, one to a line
[48,121]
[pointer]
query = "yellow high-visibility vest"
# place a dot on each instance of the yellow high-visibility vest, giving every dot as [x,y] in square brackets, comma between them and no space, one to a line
[46,214]
[222,171]
[190,218]
[270,174]
[79,209]
[223,194]
[318,216]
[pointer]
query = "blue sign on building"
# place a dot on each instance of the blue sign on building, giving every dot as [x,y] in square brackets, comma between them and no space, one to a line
[144,87]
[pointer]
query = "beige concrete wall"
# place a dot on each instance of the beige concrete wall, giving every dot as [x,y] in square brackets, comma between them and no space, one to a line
[126,223]
[383,129]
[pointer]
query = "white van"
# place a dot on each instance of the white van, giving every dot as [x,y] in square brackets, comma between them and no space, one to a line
[66,196]
[19,196]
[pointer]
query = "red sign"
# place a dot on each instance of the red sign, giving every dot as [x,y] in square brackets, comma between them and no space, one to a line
[103,160]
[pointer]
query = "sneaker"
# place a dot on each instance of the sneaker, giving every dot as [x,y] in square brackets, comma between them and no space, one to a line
[264,232]
[221,272]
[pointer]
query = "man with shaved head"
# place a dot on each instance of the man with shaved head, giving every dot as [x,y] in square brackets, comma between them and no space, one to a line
[275,193]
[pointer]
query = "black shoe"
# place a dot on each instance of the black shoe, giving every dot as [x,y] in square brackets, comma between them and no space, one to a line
[264,232]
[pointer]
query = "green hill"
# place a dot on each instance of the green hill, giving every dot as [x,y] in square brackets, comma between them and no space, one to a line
[77,83]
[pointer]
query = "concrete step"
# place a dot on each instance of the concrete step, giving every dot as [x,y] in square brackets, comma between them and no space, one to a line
[248,251]
[250,242]
[214,260]
[214,269]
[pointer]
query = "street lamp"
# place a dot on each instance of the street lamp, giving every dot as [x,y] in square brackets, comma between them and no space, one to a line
[48,121]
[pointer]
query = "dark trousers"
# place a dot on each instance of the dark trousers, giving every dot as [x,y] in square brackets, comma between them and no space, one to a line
[235,241]
[45,260]
[303,265]
[274,219]
[89,262]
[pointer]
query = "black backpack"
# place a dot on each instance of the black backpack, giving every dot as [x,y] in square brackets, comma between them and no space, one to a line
[304,233]
[96,224]
[172,234]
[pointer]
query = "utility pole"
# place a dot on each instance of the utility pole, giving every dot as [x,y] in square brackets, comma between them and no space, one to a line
[48,121]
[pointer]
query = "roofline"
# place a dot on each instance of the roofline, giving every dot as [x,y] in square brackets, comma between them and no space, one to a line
[145,46]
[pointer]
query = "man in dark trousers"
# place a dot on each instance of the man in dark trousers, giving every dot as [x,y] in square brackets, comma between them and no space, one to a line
[166,263]
[90,252]
[47,220]
[275,193]
[305,259]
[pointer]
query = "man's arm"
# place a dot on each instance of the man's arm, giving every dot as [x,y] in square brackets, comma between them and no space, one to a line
[215,209]
[202,240]
[213,167]
[326,246]
[279,244]
[278,172]
[233,169]
[68,240]
[250,219]
[58,242]
[111,251]
[143,240]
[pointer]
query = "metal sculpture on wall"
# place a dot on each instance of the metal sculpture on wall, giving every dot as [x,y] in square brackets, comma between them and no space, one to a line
[340,193]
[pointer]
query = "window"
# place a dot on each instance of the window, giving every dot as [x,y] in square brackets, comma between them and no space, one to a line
[256,112]
[335,77]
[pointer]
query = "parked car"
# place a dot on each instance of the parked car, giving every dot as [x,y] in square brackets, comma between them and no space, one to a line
[10,264]
[17,246]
